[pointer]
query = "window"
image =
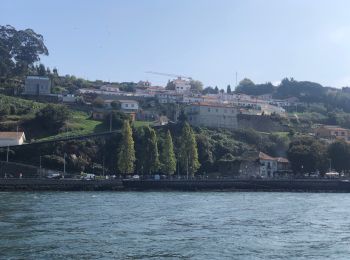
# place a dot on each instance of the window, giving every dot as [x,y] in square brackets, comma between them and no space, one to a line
[132,105]
[126,105]
[208,109]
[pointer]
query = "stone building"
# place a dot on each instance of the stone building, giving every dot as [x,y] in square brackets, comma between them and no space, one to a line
[212,115]
[264,166]
[36,85]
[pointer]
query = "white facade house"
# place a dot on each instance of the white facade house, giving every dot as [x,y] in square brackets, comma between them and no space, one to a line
[11,138]
[168,97]
[182,86]
[129,105]
[192,99]
[272,166]
[110,88]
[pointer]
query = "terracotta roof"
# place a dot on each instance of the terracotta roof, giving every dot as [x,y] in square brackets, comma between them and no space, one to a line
[11,135]
[264,156]
[282,160]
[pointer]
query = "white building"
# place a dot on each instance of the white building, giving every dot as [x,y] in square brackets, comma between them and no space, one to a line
[192,99]
[167,97]
[11,138]
[212,115]
[181,85]
[110,88]
[272,166]
[129,105]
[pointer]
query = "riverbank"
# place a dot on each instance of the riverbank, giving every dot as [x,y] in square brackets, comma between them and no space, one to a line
[59,185]
[288,185]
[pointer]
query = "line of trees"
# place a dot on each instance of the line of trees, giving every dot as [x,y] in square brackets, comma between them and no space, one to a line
[308,155]
[139,153]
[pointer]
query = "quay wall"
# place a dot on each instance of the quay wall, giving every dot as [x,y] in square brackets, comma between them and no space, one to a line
[241,185]
[59,185]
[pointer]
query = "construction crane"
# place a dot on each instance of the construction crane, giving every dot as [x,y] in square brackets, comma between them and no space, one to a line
[168,75]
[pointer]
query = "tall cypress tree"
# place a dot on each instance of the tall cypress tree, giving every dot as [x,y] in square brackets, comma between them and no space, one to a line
[147,151]
[188,151]
[152,160]
[168,159]
[126,155]
[228,91]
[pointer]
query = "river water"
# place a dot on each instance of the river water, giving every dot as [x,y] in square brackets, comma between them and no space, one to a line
[174,225]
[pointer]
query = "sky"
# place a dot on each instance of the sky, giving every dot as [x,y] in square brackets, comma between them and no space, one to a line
[208,40]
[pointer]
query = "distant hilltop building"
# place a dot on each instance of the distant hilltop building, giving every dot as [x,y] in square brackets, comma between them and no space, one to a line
[332,133]
[181,85]
[36,85]
[11,138]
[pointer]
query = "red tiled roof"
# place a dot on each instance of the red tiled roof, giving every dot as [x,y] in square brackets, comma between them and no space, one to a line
[264,156]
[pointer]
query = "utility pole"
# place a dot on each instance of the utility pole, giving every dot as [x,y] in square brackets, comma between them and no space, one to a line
[103,166]
[110,122]
[40,166]
[7,153]
[64,165]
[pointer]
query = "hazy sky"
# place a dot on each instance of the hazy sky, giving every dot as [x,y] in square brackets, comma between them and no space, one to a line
[264,40]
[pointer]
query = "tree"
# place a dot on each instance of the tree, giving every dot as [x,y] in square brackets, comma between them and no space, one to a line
[115,119]
[52,117]
[170,85]
[41,70]
[168,159]
[147,156]
[98,102]
[246,86]
[196,86]
[216,89]
[228,91]
[205,152]
[126,155]
[19,50]
[339,154]
[209,90]
[188,154]
[307,155]
[151,162]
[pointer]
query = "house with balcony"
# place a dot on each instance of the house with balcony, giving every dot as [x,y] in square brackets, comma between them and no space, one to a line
[262,165]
